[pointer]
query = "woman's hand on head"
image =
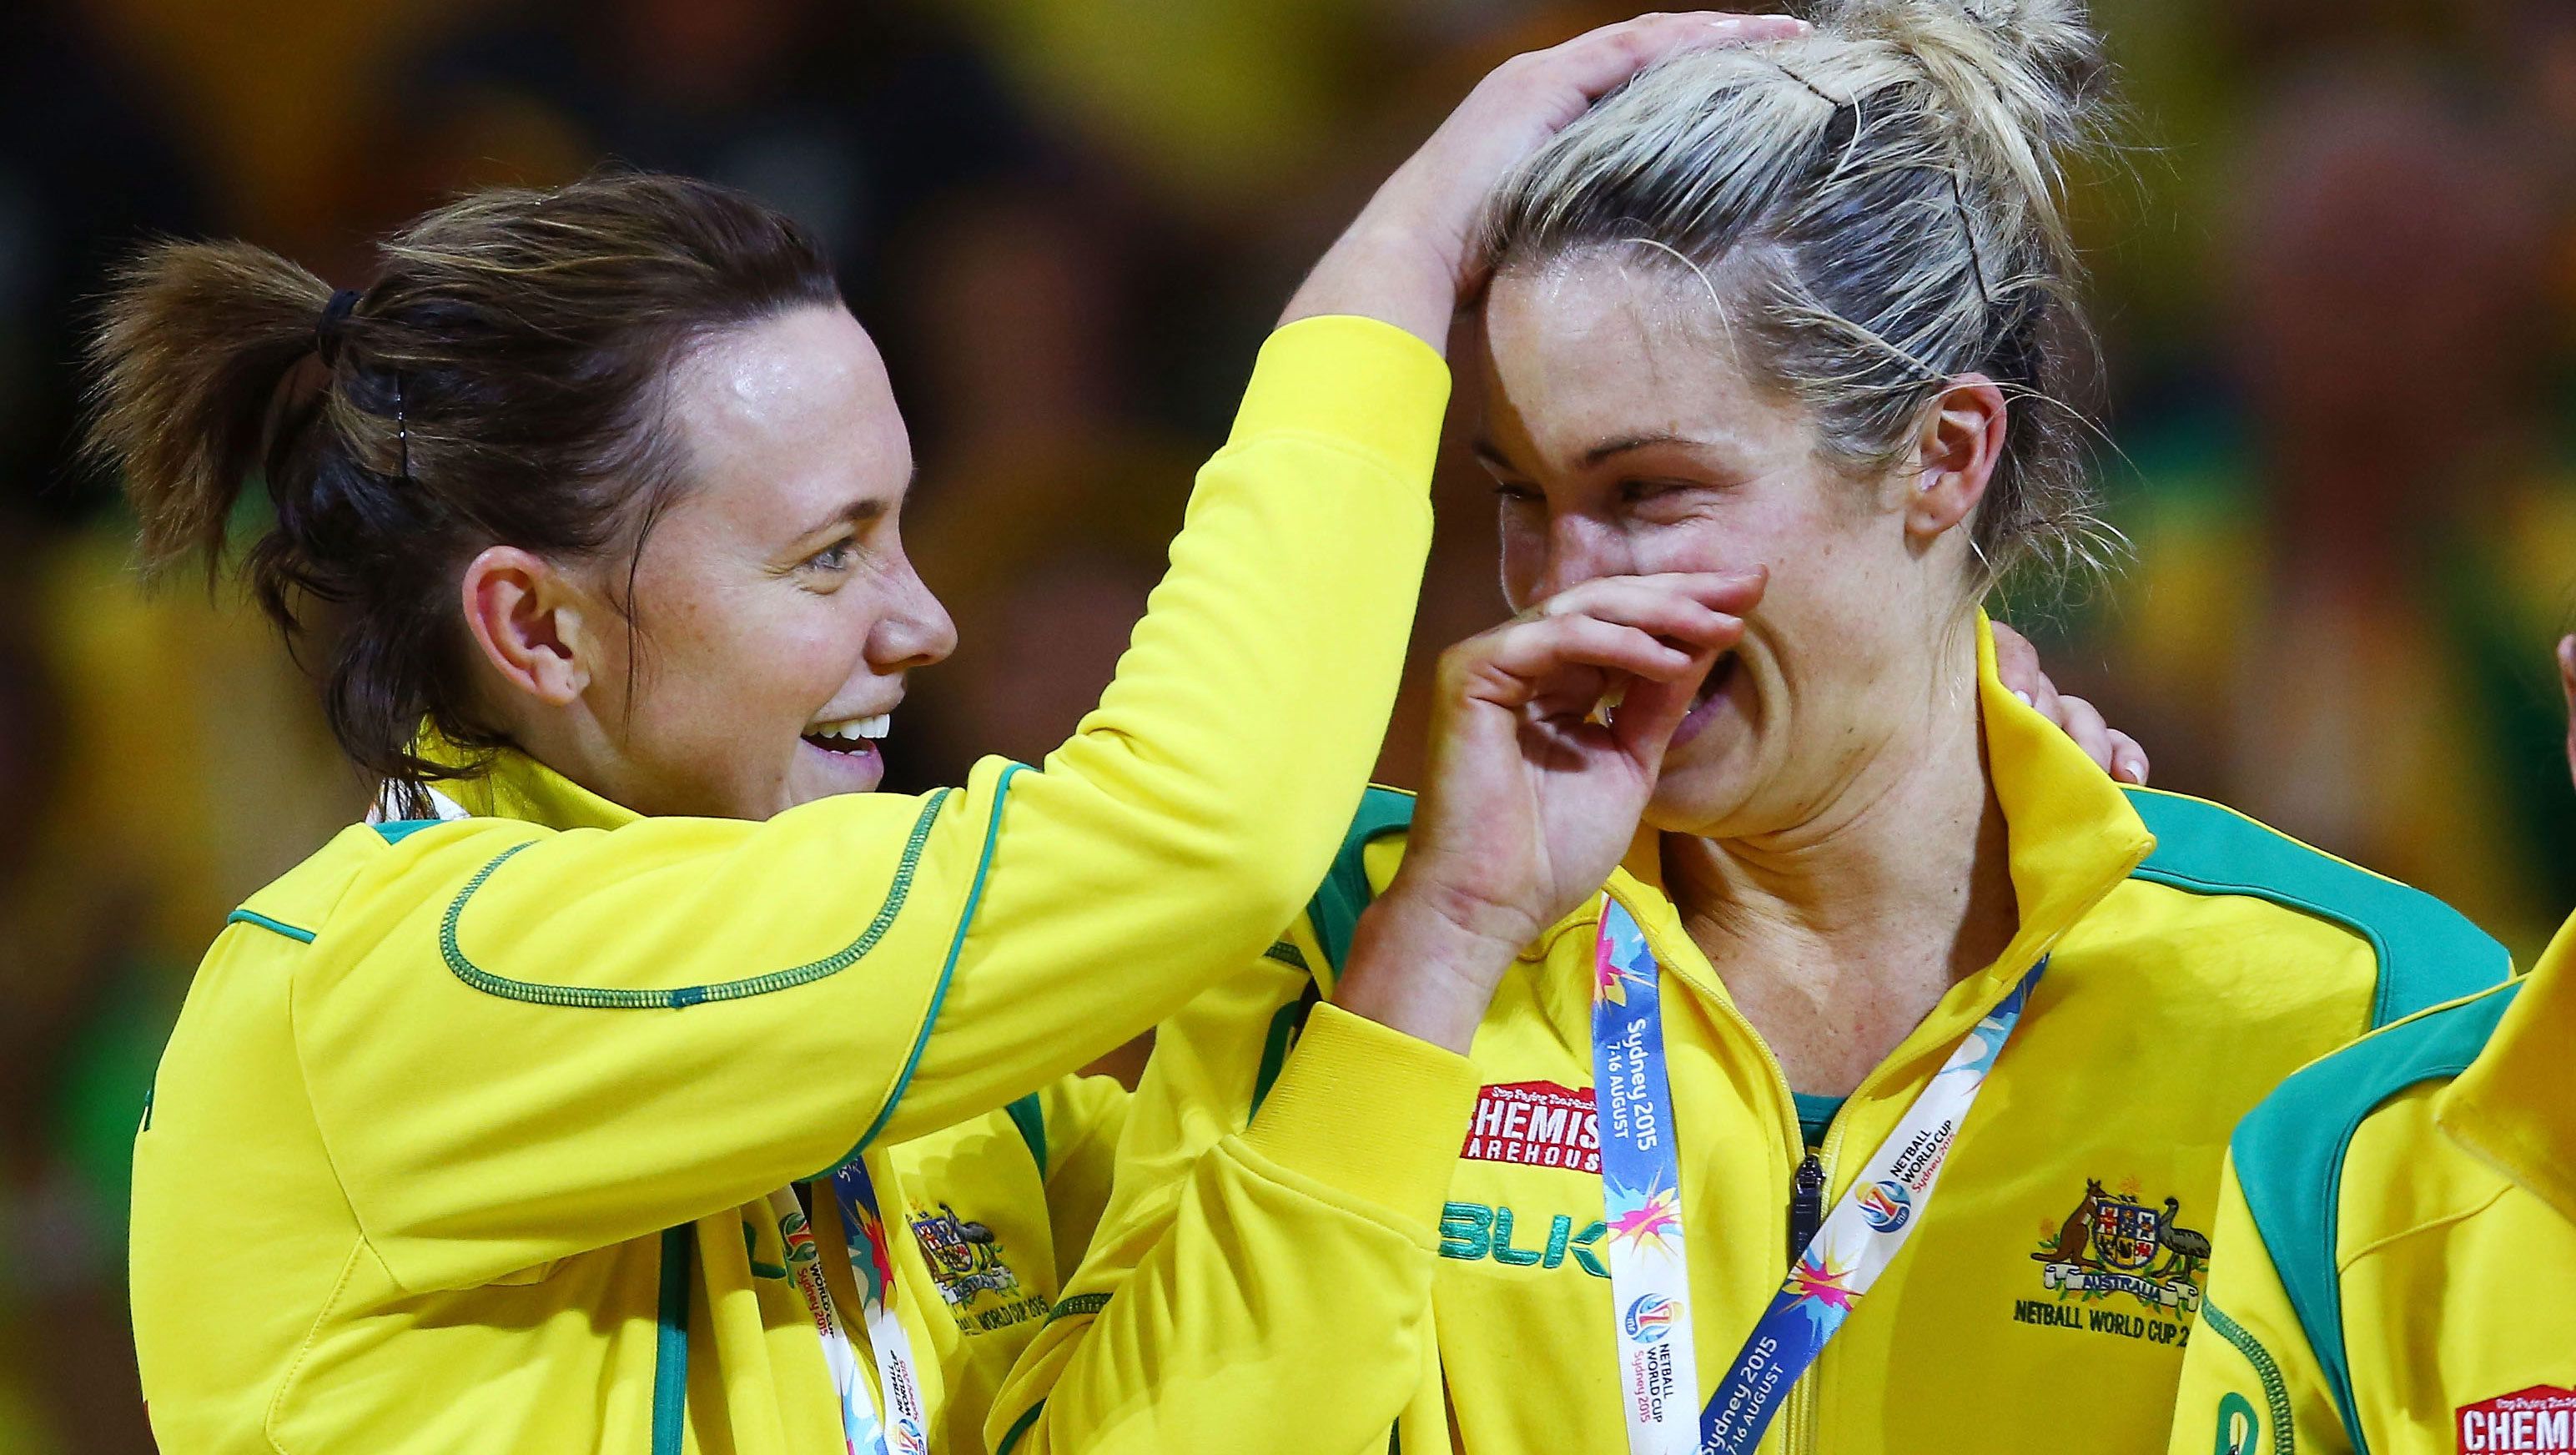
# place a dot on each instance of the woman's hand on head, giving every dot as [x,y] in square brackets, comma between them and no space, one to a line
[2017,666]
[1533,791]
[1412,255]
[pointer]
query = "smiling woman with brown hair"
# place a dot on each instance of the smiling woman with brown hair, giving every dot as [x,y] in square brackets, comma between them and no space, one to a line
[513,1118]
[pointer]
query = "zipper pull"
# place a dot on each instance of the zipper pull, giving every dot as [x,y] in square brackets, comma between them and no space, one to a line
[1806,1206]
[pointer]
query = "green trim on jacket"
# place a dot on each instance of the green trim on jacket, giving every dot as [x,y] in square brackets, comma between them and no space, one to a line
[2289,1155]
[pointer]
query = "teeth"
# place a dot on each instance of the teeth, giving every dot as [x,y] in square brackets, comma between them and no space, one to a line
[854,729]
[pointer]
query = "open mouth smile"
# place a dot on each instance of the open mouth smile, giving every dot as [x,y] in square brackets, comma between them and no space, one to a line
[857,736]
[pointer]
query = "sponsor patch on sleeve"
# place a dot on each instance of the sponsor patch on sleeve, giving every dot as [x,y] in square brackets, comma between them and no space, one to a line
[1535,1124]
[2540,1420]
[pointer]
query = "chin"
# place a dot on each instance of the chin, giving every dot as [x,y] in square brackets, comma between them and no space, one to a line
[1703,794]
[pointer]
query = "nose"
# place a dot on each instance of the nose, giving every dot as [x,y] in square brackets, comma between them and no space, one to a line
[916,630]
[1577,548]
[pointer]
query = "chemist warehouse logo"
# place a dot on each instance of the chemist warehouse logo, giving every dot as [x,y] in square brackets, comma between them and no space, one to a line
[1536,1124]
[2540,1420]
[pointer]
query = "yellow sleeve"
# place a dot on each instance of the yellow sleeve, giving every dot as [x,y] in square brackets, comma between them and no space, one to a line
[1083,1116]
[520,1043]
[2250,1383]
[1262,1281]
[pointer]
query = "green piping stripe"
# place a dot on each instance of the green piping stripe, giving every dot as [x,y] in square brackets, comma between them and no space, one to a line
[956,947]
[2276,1391]
[1020,1427]
[1030,1118]
[2429,953]
[1274,1050]
[250,917]
[1078,1306]
[595,998]
[2289,1154]
[671,1344]
[1334,912]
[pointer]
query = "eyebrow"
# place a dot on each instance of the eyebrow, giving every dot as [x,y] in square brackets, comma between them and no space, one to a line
[1624,443]
[857,512]
[1494,458]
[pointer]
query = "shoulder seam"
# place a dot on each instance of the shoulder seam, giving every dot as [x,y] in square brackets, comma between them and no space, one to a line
[2385,1240]
[2427,953]
[956,947]
[590,997]
[297,933]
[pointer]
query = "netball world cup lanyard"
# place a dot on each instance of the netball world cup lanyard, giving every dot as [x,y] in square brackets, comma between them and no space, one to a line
[872,1269]
[1641,1192]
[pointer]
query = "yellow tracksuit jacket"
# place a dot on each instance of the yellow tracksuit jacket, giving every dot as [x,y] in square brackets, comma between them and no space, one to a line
[1289,1280]
[463,1137]
[2396,1271]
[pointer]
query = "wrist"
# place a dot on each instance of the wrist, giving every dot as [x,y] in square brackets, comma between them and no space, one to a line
[1415,968]
[1389,271]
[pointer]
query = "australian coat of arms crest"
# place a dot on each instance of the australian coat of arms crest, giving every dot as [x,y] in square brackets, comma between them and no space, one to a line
[965,1258]
[2118,1244]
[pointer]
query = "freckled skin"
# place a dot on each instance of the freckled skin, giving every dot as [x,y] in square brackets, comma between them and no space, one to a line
[1856,644]
[774,594]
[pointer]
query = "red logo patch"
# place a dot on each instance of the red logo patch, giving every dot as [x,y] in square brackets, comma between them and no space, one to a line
[2540,1420]
[1536,1124]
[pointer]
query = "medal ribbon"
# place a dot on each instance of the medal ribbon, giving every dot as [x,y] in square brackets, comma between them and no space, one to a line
[1640,1178]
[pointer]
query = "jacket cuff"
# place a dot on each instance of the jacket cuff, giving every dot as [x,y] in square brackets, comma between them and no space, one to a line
[1370,1112]
[1365,383]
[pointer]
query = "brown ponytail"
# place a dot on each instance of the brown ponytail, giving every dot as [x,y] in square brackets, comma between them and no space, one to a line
[196,340]
[501,382]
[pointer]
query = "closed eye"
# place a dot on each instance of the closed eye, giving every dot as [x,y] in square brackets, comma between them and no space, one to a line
[1632,492]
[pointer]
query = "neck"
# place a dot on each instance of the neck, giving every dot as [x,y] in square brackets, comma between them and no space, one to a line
[1835,937]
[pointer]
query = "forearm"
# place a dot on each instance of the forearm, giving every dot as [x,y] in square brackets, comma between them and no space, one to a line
[1194,811]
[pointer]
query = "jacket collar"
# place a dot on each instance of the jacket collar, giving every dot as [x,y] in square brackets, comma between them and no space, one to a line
[2515,1106]
[2073,836]
[513,785]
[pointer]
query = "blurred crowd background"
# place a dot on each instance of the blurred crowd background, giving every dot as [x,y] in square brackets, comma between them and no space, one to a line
[2336,272]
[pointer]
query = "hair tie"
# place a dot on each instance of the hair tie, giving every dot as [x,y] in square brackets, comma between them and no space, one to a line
[327,332]
[1968,229]
[1812,88]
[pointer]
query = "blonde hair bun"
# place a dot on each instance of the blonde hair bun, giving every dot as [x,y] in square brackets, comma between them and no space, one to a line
[2025,80]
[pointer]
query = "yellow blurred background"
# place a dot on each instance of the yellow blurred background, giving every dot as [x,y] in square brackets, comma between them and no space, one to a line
[2336,277]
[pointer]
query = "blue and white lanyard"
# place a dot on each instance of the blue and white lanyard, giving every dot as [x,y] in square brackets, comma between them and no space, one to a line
[1641,1193]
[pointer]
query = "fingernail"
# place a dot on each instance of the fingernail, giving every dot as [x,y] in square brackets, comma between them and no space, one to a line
[2025,697]
[2129,769]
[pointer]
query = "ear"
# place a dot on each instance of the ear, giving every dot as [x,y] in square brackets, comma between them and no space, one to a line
[1962,439]
[530,620]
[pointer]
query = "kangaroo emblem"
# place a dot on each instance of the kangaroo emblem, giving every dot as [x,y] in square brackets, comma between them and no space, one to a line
[2078,1229]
